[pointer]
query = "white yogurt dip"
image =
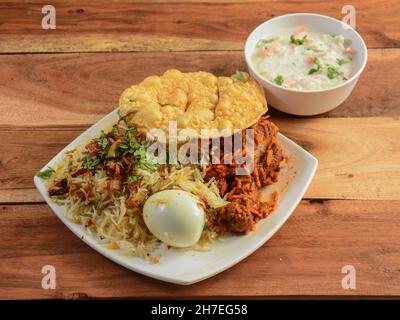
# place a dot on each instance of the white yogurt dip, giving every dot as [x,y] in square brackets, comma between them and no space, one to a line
[304,60]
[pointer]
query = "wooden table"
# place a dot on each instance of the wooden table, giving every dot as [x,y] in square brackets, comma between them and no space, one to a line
[55,83]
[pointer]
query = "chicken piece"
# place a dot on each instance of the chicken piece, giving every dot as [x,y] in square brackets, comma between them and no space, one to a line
[246,208]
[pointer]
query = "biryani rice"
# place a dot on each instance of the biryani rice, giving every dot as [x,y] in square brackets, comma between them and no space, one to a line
[114,224]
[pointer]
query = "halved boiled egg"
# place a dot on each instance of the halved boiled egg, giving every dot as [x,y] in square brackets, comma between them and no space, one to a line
[175,217]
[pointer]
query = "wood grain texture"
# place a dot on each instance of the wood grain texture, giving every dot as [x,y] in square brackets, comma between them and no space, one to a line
[358,157]
[23,153]
[84,26]
[304,258]
[69,89]
[46,100]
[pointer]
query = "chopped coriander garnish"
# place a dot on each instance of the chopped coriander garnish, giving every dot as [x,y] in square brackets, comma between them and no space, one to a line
[316,61]
[114,132]
[86,214]
[313,70]
[262,42]
[130,111]
[96,203]
[343,60]
[45,174]
[240,76]
[278,80]
[102,141]
[332,72]
[120,116]
[168,104]
[120,143]
[124,118]
[90,163]
[124,146]
[132,179]
[297,41]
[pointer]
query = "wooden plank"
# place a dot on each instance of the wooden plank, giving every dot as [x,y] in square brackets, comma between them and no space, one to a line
[67,89]
[358,157]
[304,258]
[87,26]
[23,153]
[27,195]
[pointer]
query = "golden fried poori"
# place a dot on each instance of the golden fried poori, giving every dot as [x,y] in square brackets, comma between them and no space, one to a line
[195,100]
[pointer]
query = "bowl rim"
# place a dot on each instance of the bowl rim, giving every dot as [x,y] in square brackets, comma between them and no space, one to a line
[354,77]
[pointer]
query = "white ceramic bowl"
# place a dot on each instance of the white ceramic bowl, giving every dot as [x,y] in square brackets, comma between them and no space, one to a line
[298,102]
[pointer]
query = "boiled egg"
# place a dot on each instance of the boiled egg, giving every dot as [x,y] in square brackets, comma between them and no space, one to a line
[175,217]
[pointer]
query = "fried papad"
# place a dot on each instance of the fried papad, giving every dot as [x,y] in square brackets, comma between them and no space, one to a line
[195,100]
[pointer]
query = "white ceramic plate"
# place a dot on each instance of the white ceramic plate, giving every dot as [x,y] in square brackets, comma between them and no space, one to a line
[188,266]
